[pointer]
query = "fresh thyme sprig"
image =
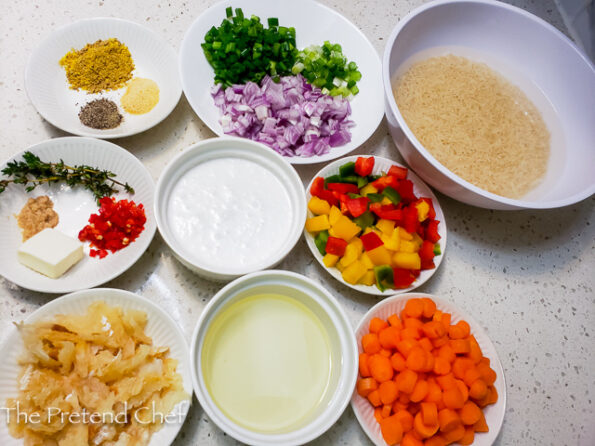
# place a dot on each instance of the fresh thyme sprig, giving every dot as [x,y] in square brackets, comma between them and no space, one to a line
[31,172]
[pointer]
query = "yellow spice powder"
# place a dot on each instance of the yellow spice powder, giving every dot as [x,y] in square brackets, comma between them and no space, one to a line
[141,96]
[103,65]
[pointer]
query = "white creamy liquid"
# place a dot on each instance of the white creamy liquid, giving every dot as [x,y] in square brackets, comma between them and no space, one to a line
[229,213]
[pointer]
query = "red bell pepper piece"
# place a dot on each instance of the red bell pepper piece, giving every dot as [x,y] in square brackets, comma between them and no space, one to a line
[357,206]
[381,183]
[317,189]
[371,241]
[432,231]
[410,221]
[387,211]
[402,278]
[426,252]
[427,264]
[398,172]
[432,211]
[364,166]
[343,188]
[405,190]
[336,246]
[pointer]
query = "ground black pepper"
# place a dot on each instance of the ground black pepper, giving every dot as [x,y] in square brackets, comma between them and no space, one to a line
[100,114]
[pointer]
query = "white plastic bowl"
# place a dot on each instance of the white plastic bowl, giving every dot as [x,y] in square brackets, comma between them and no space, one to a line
[343,346]
[531,53]
[226,148]
[50,93]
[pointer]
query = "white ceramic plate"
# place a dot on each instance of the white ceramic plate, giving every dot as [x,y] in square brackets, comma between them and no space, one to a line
[494,413]
[314,23]
[74,207]
[160,327]
[48,88]
[419,188]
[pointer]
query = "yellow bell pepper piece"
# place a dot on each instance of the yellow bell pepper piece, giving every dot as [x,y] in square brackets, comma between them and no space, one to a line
[334,215]
[317,224]
[339,267]
[366,260]
[318,206]
[330,260]
[346,229]
[352,253]
[404,235]
[368,189]
[368,278]
[422,210]
[354,272]
[406,260]
[408,247]
[386,226]
[385,201]
[393,241]
[331,232]
[379,256]
[357,242]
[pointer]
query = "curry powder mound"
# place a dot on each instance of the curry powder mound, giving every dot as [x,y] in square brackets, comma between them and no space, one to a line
[103,65]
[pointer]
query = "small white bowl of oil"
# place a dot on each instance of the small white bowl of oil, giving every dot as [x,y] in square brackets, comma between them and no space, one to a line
[273,359]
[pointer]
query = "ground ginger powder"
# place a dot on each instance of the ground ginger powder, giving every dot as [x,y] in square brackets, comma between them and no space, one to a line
[103,65]
[141,96]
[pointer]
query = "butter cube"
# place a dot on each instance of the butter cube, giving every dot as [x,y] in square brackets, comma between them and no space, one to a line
[50,252]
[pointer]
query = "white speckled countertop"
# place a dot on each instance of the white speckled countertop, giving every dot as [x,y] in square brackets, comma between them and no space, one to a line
[527,277]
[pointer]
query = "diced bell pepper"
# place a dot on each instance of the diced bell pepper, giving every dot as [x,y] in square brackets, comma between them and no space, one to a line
[354,272]
[330,260]
[407,260]
[380,256]
[318,223]
[319,206]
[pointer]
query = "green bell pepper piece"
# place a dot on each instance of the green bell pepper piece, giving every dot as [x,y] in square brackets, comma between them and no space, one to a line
[375,198]
[347,169]
[391,194]
[320,241]
[364,220]
[437,250]
[384,277]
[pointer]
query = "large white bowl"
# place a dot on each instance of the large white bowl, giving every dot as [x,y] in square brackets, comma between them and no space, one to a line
[419,188]
[494,413]
[226,148]
[160,327]
[74,206]
[531,53]
[343,347]
[314,23]
[48,88]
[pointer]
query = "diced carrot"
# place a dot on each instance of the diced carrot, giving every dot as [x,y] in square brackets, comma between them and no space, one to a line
[446,381]
[474,350]
[447,353]
[404,398]
[478,390]
[470,413]
[389,337]
[380,368]
[374,398]
[412,322]
[416,360]
[426,344]
[471,375]
[448,419]
[481,425]
[394,321]
[444,318]
[459,331]
[414,308]
[455,434]
[429,307]
[388,392]
[430,360]
[391,429]
[460,346]
[405,418]
[493,395]
[460,366]
[434,392]
[465,328]
[429,413]
[439,342]
[405,345]
[386,352]
[377,324]
[365,386]
[441,365]
[398,362]
[485,360]
[469,436]
[488,375]
[453,399]
[364,370]
[370,343]
[436,440]
[419,391]
[406,381]
[410,333]
[433,329]
[463,389]
[386,410]
[413,408]
[378,414]
[409,439]
[424,430]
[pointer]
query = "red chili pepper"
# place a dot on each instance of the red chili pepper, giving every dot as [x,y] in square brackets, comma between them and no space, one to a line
[364,166]
[371,241]
[426,252]
[357,206]
[344,188]
[432,231]
[402,278]
[405,190]
[398,172]
[410,221]
[336,246]
[381,183]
